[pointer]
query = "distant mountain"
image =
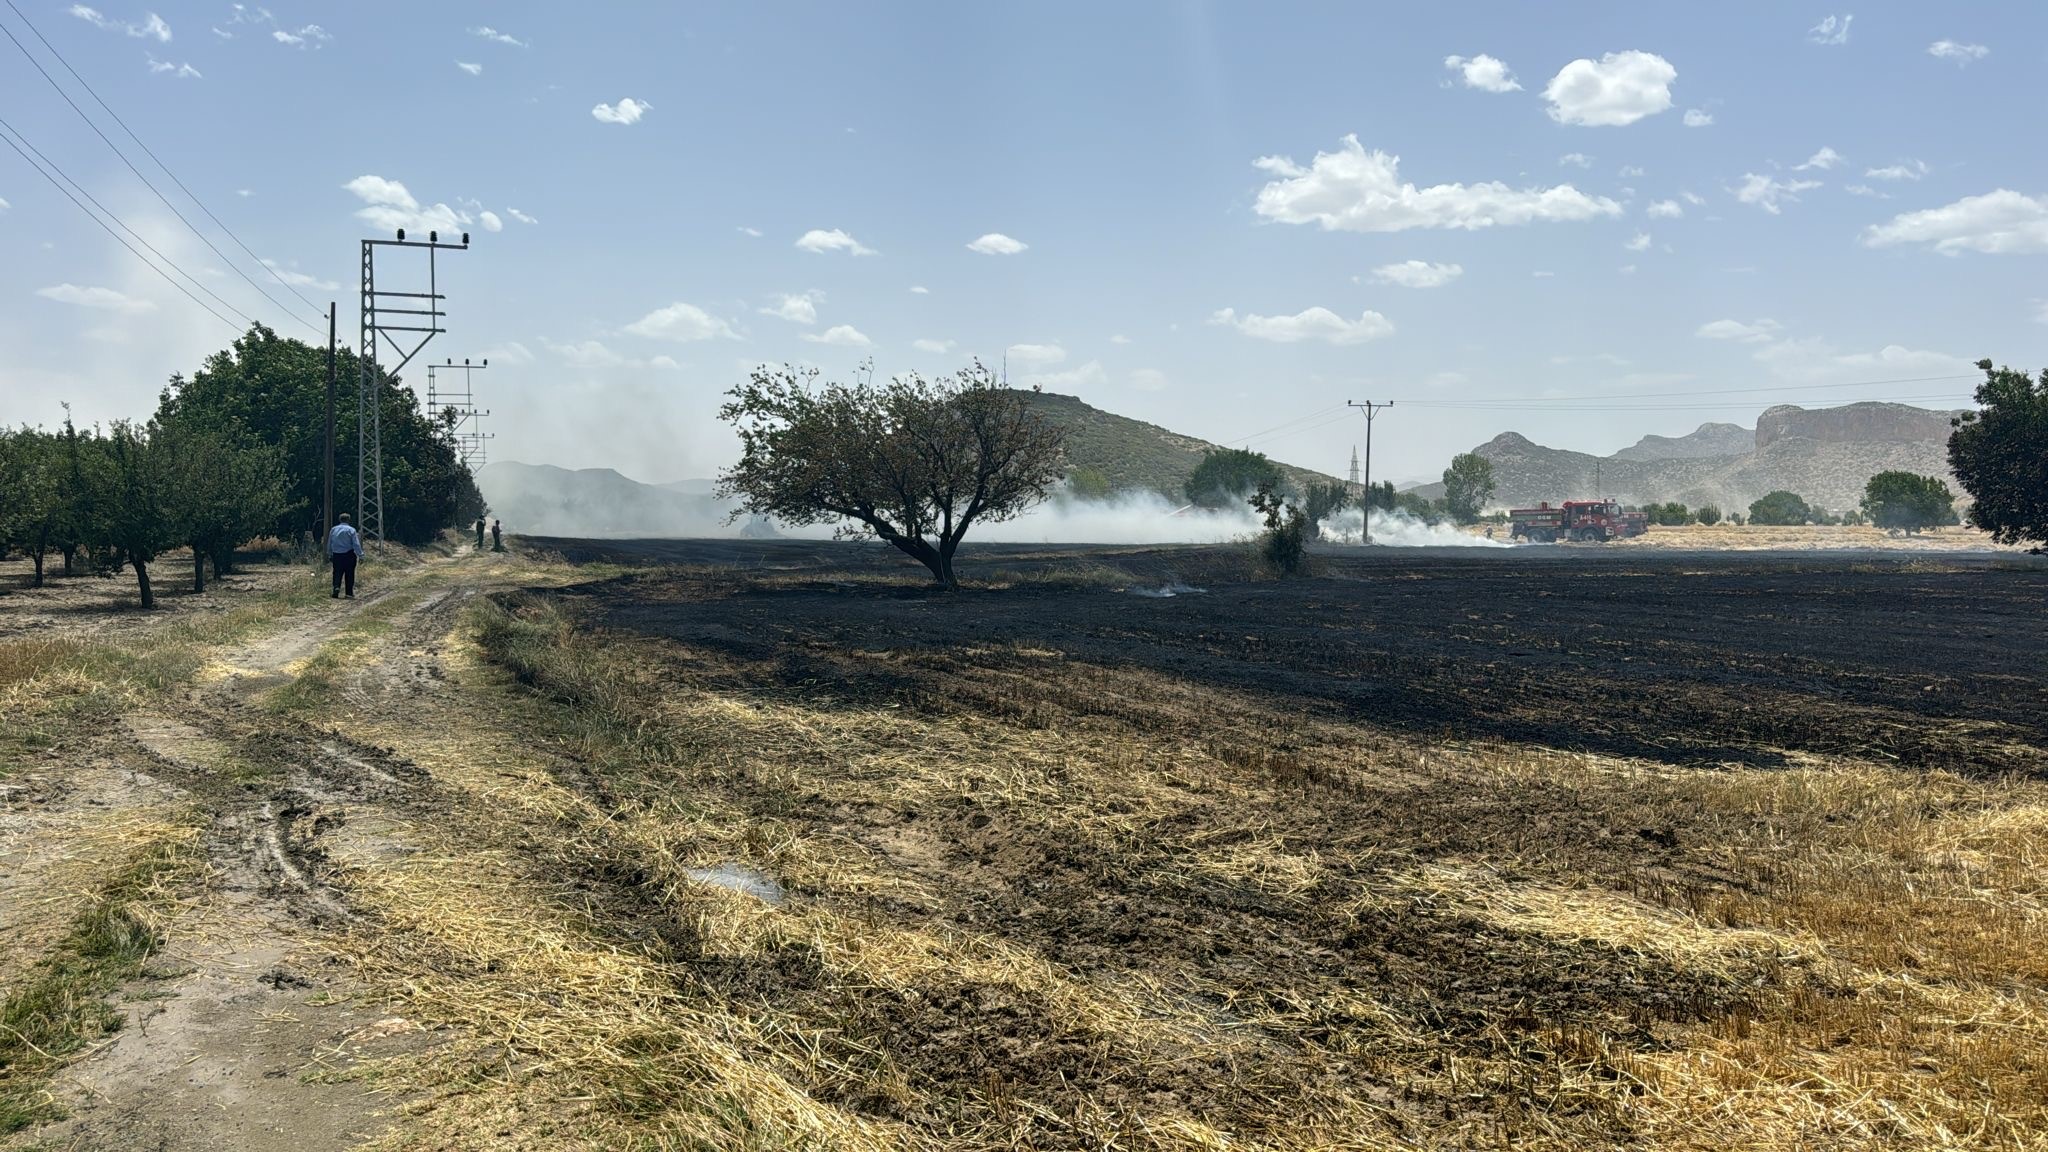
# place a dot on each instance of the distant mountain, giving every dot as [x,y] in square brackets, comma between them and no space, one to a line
[1706,440]
[543,500]
[1131,453]
[1825,455]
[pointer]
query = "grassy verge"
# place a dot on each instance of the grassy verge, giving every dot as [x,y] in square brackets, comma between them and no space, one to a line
[62,1006]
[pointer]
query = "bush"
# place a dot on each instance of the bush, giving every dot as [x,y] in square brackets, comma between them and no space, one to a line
[1284,543]
[1904,502]
[1468,485]
[1088,484]
[1708,514]
[1780,508]
[1227,474]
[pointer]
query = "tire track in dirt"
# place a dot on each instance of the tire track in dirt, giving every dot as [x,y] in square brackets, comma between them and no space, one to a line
[243,1031]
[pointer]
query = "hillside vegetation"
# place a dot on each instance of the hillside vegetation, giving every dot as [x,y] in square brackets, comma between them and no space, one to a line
[1132,454]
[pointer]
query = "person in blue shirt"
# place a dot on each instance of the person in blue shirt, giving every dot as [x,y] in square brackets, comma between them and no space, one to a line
[344,547]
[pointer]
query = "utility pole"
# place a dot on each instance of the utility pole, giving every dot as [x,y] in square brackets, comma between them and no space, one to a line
[1371,409]
[327,502]
[369,410]
[467,427]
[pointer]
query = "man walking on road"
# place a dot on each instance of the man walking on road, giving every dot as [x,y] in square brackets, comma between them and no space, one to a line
[344,547]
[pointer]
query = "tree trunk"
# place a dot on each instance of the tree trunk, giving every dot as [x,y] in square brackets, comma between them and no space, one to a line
[223,561]
[142,581]
[69,551]
[915,547]
[199,569]
[945,569]
[38,554]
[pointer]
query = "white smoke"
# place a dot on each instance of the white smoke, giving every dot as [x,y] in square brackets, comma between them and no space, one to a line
[1128,518]
[1398,529]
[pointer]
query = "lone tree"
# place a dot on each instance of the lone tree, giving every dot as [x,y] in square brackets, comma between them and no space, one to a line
[1908,503]
[1468,485]
[1322,500]
[2000,455]
[1780,507]
[1709,514]
[1227,475]
[912,462]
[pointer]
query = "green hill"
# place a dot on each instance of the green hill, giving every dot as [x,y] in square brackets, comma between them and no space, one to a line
[1132,454]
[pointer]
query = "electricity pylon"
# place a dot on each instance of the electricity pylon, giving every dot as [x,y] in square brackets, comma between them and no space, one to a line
[369,413]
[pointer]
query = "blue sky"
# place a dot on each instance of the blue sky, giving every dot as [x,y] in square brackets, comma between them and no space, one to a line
[1190,214]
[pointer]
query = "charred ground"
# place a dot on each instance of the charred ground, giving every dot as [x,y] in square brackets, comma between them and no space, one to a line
[1690,658]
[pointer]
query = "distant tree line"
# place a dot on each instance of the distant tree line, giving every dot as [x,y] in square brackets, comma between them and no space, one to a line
[232,454]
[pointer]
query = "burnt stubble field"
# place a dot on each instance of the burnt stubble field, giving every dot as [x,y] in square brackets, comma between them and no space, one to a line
[1554,847]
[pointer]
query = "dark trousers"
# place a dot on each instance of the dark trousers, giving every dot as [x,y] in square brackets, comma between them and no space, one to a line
[344,571]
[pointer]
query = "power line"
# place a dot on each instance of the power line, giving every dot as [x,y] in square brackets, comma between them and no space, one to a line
[117,236]
[1285,424]
[1517,406]
[236,268]
[159,163]
[109,213]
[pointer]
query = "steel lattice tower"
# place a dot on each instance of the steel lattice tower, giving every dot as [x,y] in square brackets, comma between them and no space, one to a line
[369,412]
[471,441]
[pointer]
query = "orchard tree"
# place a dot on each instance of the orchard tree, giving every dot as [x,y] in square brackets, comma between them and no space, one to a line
[132,514]
[226,487]
[1780,507]
[1468,485]
[2000,455]
[1322,500]
[1227,475]
[914,462]
[1908,503]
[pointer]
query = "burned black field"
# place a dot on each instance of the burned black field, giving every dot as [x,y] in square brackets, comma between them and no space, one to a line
[1690,658]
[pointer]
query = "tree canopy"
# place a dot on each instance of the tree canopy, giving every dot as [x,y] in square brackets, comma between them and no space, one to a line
[1228,475]
[2000,455]
[913,462]
[1780,507]
[1908,503]
[275,389]
[1468,485]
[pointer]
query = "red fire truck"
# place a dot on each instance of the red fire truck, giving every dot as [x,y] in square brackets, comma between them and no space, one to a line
[1600,520]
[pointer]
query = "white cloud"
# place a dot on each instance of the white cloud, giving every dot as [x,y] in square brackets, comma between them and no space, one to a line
[1418,274]
[1576,159]
[1119,338]
[1484,73]
[1698,118]
[245,193]
[299,279]
[821,240]
[490,221]
[1865,190]
[801,308]
[746,231]
[681,323]
[1542,274]
[105,299]
[181,71]
[1904,170]
[842,335]
[223,33]
[1639,243]
[1627,269]
[626,111]
[1620,88]
[668,362]
[920,290]
[1693,198]
[1830,30]
[490,33]
[1630,171]
[152,28]
[1072,379]
[1962,54]
[522,217]
[391,207]
[1999,222]
[1812,360]
[997,244]
[1148,380]
[1035,355]
[1309,324]
[1755,332]
[311,34]
[1664,210]
[587,354]
[1766,191]
[1352,190]
[472,69]
[1824,159]
[935,347]
[4,205]
[512,352]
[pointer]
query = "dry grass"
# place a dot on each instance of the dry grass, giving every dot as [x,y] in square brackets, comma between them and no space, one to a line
[1064,906]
